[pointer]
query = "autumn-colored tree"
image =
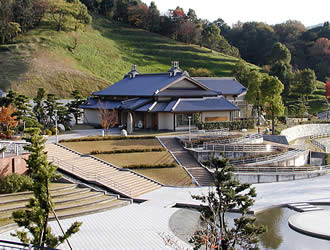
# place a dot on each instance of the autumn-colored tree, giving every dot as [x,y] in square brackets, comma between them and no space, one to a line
[108,117]
[321,47]
[7,120]
[138,15]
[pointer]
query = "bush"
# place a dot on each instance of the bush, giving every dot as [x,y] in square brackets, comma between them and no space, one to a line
[47,132]
[109,137]
[143,166]
[123,151]
[53,130]
[231,125]
[15,183]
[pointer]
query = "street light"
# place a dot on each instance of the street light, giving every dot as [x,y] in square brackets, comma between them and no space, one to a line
[56,133]
[189,120]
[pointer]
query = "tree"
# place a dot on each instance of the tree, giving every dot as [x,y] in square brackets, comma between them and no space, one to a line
[280,53]
[271,89]
[226,195]
[8,28]
[210,36]
[51,107]
[253,95]
[71,15]
[36,215]
[138,15]
[241,72]
[304,84]
[73,106]
[7,119]
[153,18]
[109,118]
[39,106]
[284,72]
[188,32]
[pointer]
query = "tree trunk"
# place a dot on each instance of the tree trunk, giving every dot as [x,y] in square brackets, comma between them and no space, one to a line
[273,122]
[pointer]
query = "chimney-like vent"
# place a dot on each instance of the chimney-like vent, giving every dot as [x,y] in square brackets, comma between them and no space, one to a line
[133,72]
[175,69]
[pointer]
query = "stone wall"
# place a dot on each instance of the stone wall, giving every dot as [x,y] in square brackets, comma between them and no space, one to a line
[14,164]
[305,130]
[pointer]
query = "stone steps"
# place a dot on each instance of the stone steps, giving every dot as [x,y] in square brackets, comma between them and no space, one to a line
[201,175]
[90,169]
[303,207]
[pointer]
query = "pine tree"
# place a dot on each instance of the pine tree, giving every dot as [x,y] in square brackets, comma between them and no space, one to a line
[228,194]
[36,215]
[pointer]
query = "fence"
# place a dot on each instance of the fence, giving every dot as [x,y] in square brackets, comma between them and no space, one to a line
[91,176]
[317,143]
[241,147]
[6,245]
[12,148]
[277,169]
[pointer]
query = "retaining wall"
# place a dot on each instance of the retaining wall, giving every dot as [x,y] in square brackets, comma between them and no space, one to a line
[305,130]
[253,178]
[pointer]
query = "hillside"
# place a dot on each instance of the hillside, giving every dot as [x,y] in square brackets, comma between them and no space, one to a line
[105,51]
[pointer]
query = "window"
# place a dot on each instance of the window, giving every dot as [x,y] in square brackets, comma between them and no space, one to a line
[182,119]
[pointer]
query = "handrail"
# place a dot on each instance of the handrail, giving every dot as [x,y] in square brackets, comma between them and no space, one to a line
[278,169]
[19,245]
[92,176]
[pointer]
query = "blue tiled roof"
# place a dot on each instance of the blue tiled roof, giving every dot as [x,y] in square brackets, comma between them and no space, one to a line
[186,93]
[93,103]
[134,103]
[225,86]
[144,108]
[205,104]
[140,85]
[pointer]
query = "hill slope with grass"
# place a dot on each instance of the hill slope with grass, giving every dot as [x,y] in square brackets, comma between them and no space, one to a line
[91,60]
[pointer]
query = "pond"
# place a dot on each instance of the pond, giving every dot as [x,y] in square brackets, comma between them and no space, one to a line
[278,236]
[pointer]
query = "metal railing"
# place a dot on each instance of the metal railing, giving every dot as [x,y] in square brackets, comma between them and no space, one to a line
[270,158]
[241,147]
[6,245]
[91,176]
[277,169]
[13,148]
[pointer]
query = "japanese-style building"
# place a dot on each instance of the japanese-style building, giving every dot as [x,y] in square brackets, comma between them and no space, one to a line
[168,100]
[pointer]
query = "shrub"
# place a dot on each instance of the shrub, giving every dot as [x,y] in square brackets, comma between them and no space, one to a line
[47,132]
[231,125]
[53,130]
[143,166]
[123,151]
[15,183]
[105,138]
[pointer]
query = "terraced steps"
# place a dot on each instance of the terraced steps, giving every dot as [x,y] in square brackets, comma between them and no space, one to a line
[90,169]
[70,200]
[201,175]
[303,207]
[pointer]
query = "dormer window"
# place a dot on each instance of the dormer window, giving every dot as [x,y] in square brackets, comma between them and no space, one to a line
[175,69]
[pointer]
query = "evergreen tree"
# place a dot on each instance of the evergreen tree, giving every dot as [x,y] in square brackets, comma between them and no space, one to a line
[73,106]
[227,194]
[35,217]
[271,88]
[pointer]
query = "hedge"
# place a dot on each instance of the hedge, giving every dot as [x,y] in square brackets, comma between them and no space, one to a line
[105,138]
[123,151]
[144,166]
[231,125]
[15,183]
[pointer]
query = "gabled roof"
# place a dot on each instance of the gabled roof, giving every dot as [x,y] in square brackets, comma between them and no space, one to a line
[222,85]
[147,85]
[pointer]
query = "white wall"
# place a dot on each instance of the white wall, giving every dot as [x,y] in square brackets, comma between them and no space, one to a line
[91,116]
[305,130]
[165,121]
[216,114]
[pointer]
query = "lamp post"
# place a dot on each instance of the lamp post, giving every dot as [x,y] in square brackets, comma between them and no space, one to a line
[189,120]
[56,133]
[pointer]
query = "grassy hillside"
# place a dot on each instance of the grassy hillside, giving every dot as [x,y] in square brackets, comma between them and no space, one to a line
[105,52]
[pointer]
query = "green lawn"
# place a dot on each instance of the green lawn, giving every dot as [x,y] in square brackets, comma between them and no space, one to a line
[105,52]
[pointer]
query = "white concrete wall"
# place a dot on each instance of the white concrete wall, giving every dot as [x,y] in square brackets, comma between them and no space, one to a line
[305,130]
[91,116]
[216,114]
[165,121]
